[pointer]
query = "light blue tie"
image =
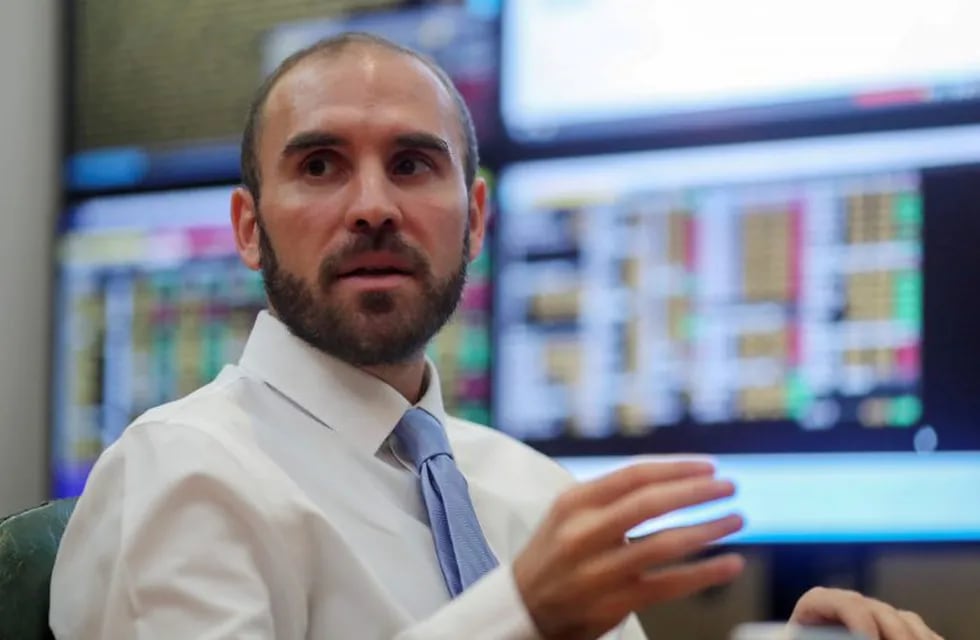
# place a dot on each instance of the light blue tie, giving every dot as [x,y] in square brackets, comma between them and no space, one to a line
[464,555]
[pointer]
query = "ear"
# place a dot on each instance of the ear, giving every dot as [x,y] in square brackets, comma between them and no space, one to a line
[478,216]
[245,225]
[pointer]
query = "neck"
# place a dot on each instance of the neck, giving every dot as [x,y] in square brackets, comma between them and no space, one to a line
[407,378]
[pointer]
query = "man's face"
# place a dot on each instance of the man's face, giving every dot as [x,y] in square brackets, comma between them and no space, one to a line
[365,224]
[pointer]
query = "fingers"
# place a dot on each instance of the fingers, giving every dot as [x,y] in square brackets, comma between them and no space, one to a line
[891,626]
[674,582]
[608,488]
[918,626]
[872,618]
[665,547]
[657,500]
[898,625]
[600,528]
[822,606]
[861,620]
[579,555]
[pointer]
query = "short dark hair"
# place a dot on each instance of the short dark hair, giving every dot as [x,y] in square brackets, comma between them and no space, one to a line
[251,177]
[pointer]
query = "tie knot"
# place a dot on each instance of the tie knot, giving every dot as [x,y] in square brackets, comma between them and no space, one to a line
[421,436]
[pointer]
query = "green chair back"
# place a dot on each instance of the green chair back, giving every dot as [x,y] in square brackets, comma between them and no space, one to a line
[28,543]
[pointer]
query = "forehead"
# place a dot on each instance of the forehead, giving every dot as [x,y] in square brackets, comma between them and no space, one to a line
[359,89]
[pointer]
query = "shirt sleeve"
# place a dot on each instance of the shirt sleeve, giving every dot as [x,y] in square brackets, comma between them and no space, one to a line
[166,541]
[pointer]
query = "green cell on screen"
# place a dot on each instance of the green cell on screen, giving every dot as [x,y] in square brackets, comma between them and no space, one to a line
[474,349]
[254,285]
[799,396]
[213,352]
[907,298]
[480,268]
[907,214]
[477,413]
[904,411]
[690,327]
[686,326]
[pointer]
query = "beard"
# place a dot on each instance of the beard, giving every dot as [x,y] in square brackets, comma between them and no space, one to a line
[379,327]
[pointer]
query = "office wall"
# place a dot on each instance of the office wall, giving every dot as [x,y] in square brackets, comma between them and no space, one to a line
[157,72]
[29,141]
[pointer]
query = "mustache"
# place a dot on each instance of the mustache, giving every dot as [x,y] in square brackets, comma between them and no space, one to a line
[386,241]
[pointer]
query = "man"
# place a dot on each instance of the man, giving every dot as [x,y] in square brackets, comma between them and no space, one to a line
[308,492]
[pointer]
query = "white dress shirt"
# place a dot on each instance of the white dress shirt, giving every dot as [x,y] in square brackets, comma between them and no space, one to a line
[270,504]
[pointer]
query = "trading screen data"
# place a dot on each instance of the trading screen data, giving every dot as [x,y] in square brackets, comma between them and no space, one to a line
[789,301]
[777,283]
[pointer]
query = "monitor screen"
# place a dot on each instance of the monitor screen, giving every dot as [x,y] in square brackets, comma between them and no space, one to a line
[152,302]
[794,307]
[589,68]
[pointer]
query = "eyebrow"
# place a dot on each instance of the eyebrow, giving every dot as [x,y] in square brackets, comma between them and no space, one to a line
[320,140]
[422,140]
[312,140]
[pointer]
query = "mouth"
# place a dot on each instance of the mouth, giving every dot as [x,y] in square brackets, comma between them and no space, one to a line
[376,270]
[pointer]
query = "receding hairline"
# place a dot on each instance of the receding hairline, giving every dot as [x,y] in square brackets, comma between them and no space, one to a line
[334,47]
[348,47]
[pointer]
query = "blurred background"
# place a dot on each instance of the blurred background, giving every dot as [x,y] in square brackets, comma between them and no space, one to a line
[743,229]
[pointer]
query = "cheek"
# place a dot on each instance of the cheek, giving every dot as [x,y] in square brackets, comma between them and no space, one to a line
[301,236]
[444,231]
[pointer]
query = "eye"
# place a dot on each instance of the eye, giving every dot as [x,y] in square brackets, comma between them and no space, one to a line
[318,165]
[411,165]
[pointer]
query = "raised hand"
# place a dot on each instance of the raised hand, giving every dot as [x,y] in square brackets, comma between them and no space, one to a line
[579,577]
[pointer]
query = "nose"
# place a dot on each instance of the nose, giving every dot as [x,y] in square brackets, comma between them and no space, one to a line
[372,207]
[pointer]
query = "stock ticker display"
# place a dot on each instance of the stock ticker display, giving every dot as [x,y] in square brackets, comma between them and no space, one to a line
[622,310]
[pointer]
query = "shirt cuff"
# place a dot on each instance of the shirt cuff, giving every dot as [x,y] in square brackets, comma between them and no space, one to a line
[491,608]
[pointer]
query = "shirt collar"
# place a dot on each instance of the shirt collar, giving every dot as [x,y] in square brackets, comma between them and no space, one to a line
[361,408]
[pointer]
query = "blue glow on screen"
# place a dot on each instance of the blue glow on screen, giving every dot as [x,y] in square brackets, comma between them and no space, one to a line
[853,497]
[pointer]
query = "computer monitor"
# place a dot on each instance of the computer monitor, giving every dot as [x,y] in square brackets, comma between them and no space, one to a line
[801,310]
[152,301]
[591,69]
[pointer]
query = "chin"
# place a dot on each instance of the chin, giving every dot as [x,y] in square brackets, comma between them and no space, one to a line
[379,304]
